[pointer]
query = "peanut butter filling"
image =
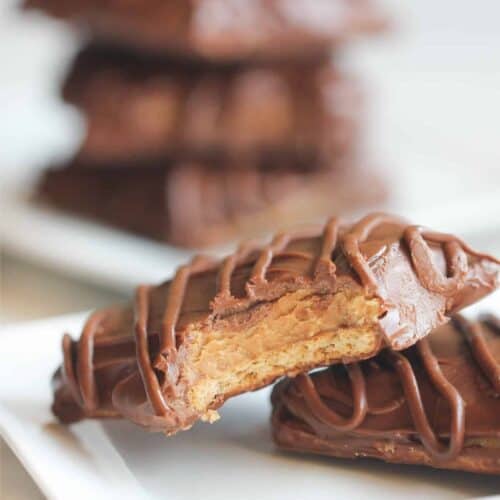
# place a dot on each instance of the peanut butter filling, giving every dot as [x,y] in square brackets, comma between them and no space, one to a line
[297,331]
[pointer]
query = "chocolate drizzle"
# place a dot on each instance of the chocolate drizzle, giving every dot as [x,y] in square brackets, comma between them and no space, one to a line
[327,414]
[68,370]
[165,361]
[150,380]
[325,259]
[418,241]
[282,241]
[82,383]
[454,249]
[258,275]
[359,234]
[266,255]
[315,397]
[321,260]
[227,268]
[479,347]
[414,400]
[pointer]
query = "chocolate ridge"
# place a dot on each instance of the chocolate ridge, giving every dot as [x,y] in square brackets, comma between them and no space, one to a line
[473,332]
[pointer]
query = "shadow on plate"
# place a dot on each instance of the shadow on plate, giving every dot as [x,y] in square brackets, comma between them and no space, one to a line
[465,484]
[242,441]
[36,413]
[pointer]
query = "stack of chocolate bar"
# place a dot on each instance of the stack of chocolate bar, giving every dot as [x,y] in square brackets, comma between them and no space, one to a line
[209,119]
[370,301]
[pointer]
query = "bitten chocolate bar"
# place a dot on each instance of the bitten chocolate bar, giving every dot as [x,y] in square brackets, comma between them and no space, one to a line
[309,298]
[436,403]
[222,29]
[138,106]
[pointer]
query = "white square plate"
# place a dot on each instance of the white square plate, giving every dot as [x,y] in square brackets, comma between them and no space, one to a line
[233,458]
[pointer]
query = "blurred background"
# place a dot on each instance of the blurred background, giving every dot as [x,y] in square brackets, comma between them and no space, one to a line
[152,156]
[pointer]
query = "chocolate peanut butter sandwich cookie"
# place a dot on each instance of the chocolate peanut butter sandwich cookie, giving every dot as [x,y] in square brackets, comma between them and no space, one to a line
[222,29]
[309,298]
[201,204]
[138,107]
[436,403]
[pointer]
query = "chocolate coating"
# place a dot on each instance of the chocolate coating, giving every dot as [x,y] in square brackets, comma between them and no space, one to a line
[437,403]
[129,360]
[141,106]
[222,29]
[200,204]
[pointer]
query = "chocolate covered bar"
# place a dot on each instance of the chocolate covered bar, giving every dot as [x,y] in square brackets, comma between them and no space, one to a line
[309,298]
[200,204]
[436,403]
[138,106]
[222,29]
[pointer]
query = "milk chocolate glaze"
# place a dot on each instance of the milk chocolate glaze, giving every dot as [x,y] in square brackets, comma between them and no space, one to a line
[418,276]
[462,403]
[201,203]
[197,112]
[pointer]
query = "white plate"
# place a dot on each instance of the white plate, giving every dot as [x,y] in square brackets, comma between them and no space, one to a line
[81,460]
[84,249]
[233,458]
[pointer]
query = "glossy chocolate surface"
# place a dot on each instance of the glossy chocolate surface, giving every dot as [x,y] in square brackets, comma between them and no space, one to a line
[440,396]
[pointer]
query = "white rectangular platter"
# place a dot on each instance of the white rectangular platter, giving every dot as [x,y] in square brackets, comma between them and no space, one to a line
[233,458]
